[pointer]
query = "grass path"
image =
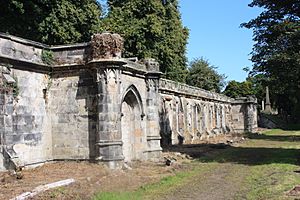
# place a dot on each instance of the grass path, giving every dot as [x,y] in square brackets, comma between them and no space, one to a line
[262,167]
[221,183]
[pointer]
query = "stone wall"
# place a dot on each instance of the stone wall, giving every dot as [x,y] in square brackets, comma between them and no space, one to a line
[5,125]
[31,133]
[189,114]
[72,102]
[244,114]
[85,102]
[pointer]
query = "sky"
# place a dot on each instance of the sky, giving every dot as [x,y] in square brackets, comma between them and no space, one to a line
[215,34]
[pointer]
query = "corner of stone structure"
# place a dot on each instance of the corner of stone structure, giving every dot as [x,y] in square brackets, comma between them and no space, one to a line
[251,99]
[6,79]
[8,158]
[245,114]
[151,65]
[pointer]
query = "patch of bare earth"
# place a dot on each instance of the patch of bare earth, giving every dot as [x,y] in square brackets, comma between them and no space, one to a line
[93,178]
[89,179]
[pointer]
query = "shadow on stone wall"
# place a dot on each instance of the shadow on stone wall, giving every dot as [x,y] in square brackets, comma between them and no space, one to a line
[244,111]
[87,90]
[165,129]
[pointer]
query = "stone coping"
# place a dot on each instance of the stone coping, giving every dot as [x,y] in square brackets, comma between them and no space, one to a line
[22,52]
[172,87]
[169,86]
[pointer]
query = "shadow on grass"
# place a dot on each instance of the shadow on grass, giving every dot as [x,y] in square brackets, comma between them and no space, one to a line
[282,138]
[292,127]
[254,156]
[239,155]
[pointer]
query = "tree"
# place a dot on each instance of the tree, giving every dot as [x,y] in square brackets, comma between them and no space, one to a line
[51,21]
[203,75]
[254,85]
[151,29]
[236,89]
[277,51]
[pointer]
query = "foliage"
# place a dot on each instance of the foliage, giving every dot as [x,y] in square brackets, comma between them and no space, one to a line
[277,51]
[51,21]
[258,83]
[254,85]
[47,57]
[151,29]
[236,89]
[203,75]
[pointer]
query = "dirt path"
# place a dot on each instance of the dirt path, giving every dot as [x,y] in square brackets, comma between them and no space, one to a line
[221,182]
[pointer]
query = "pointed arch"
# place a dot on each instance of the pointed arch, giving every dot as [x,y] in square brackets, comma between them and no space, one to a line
[133,91]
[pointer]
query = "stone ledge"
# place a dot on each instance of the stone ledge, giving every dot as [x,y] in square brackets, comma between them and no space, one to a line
[102,143]
[28,54]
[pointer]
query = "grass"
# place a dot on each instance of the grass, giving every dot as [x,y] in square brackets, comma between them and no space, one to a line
[153,191]
[270,181]
[274,178]
[270,158]
[57,192]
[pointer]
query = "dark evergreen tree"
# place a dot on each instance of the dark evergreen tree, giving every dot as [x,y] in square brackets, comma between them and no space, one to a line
[51,21]
[277,51]
[236,89]
[203,75]
[151,29]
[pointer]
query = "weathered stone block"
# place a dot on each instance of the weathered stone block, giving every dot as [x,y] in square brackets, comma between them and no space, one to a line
[9,109]
[2,99]
[105,46]
[34,138]
[2,121]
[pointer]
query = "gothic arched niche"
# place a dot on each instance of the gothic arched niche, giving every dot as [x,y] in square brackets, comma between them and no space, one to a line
[133,137]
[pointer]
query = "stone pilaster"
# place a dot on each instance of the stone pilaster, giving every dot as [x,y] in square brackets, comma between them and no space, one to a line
[108,138]
[2,127]
[251,115]
[223,119]
[218,119]
[6,106]
[7,136]
[152,103]
[153,137]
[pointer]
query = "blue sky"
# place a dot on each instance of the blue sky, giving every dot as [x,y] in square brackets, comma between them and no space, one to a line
[215,33]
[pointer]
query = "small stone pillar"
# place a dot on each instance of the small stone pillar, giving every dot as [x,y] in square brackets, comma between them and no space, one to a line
[152,83]
[251,114]
[268,108]
[218,126]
